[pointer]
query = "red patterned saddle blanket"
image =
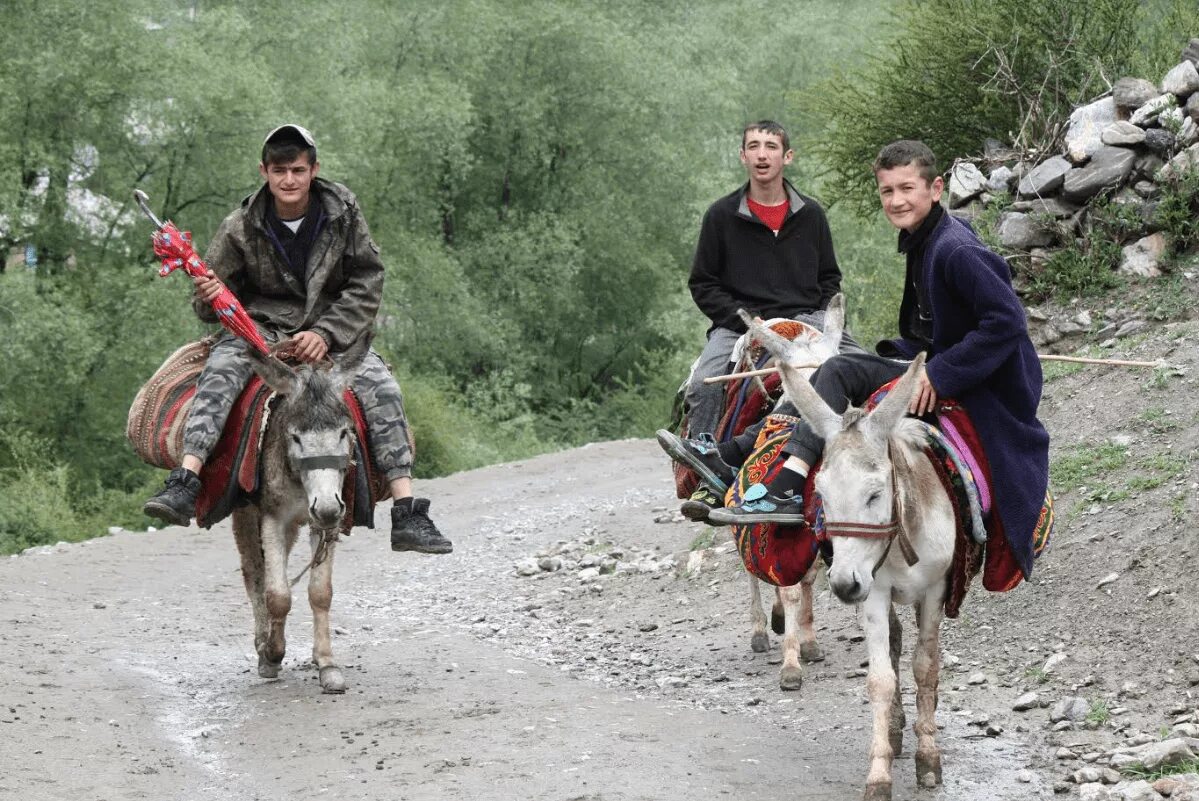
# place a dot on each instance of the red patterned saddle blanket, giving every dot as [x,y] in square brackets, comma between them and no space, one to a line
[231,475]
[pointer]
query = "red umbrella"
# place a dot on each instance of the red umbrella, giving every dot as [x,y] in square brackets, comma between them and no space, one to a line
[175,249]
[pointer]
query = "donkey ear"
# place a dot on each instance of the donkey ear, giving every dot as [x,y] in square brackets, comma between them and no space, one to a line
[781,348]
[834,321]
[346,364]
[888,413]
[275,373]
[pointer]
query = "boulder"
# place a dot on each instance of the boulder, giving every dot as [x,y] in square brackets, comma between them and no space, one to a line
[1045,178]
[1132,93]
[1192,107]
[966,182]
[1122,132]
[1019,231]
[1159,141]
[1107,168]
[1184,162]
[1147,165]
[1191,52]
[1148,112]
[1143,257]
[1182,80]
[1052,206]
[1146,189]
[1085,130]
[1188,133]
[1000,180]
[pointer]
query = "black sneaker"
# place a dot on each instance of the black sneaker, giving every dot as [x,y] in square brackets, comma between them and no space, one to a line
[412,530]
[760,506]
[702,456]
[176,501]
[701,502]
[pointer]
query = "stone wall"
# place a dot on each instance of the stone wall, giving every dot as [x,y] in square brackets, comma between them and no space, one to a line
[1122,146]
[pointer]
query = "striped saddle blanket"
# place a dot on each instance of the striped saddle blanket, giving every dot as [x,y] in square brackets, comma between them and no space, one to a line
[231,476]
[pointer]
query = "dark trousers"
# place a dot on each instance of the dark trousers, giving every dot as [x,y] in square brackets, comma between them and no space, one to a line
[848,378]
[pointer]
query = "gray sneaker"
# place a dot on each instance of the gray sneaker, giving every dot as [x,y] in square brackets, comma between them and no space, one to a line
[702,456]
[412,530]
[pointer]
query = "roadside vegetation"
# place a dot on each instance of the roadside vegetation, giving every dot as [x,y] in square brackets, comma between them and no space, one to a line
[533,173]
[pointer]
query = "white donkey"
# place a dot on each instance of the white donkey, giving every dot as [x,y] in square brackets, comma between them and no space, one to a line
[305,454]
[893,533]
[791,613]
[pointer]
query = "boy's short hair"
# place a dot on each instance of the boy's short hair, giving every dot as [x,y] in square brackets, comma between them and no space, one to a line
[767,126]
[286,143]
[904,152]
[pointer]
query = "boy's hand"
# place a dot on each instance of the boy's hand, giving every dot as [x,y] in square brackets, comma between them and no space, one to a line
[925,398]
[309,346]
[208,286]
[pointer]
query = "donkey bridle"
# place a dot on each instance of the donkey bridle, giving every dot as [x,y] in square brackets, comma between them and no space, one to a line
[324,462]
[889,531]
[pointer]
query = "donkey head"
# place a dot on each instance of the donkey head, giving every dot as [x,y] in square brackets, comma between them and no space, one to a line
[318,431]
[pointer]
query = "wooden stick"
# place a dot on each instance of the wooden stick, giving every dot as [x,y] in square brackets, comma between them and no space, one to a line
[716,379]
[1053,357]
[1048,357]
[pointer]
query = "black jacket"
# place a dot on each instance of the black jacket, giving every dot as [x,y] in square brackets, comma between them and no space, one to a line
[740,263]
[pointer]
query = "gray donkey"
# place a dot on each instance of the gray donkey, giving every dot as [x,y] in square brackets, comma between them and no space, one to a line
[306,451]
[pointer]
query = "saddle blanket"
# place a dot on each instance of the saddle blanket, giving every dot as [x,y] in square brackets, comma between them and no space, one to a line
[231,476]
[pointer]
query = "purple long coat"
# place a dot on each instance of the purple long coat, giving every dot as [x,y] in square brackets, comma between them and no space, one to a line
[981,355]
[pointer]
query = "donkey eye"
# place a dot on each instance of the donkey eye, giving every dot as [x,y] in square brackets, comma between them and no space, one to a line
[344,434]
[295,438]
[874,496]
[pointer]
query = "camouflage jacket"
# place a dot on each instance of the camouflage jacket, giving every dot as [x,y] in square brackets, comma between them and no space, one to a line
[345,273]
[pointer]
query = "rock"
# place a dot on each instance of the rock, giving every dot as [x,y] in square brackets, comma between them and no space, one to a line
[1123,133]
[1053,661]
[1109,776]
[588,574]
[1181,80]
[1132,93]
[1130,327]
[1192,107]
[1083,318]
[1191,52]
[1094,792]
[1139,790]
[1018,231]
[966,181]
[1085,775]
[1160,141]
[1182,163]
[1188,133]
[1108,579]
[1069,709]
[1147,165]
[1065,754]
[1148,112]
[1146,189]
[1000,180]
[527,567]
[1186,730]
[1121,761]
[1045,178]
[1108,167]
[550,564]
[1143,257]
[1164,754]
[1026,702]
[1025,776]
[1050,206]
[1085,129]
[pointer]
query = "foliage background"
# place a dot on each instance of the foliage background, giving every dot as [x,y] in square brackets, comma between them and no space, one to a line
[534,173]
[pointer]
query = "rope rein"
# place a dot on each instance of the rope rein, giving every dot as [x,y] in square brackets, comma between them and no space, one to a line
[328,537]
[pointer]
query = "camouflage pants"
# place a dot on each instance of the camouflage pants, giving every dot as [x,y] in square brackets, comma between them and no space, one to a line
[228,370]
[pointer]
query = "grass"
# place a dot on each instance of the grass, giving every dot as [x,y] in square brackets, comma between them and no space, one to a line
[1086,462]
[1099,712]
[1190,766]
[1094,471]
[1157,419]
[705,539]
[1036,674]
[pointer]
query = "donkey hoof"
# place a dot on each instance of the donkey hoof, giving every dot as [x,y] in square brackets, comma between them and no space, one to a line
[332,680]
[877,792]
[268,669]
[811,652]
[760,643]
[928,770]
[790,678]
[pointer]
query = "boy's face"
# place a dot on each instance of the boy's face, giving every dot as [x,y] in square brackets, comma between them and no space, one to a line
[906,196]
[290,183]
[764,157]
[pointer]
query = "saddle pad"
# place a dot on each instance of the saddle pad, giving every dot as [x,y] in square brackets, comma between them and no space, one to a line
[157,415]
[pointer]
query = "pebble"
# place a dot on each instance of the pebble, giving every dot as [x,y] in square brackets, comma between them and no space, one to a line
[977,678]
[647,627]
[1108,579]
[1026,702]
[1025,776]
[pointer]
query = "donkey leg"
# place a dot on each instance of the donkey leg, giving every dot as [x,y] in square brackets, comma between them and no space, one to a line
[809,650]
[277,594]
[320,598]
[249,546]
[759,642]
[880,686]
[791,676]
[926,665]
[898,721]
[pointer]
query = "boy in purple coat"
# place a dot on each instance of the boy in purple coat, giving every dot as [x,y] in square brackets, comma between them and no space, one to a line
[959,307]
